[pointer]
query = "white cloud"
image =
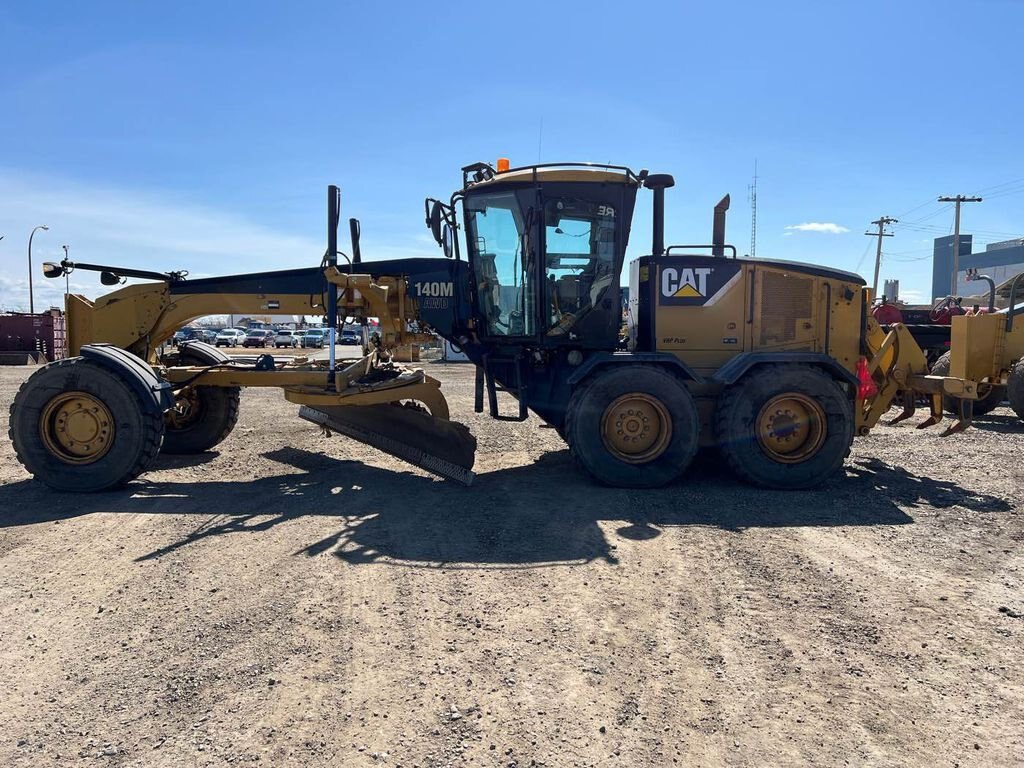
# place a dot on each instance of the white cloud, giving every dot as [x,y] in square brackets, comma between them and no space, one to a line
[819,226]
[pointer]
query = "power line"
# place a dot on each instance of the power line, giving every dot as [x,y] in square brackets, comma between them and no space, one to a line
[907,261]
[929,201]
[931,215]
[997,186]
[862,257]
[1006,193]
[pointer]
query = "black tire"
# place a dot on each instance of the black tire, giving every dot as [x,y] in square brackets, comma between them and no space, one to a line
[992,399]
[1015,388]
[590,410]
[203,416]
[813,398]
[132,439]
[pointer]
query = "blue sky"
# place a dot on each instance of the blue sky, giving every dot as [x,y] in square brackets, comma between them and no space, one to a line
[202,135]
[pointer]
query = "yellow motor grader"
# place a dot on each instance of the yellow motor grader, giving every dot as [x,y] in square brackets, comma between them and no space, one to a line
[776,364]
[988,347]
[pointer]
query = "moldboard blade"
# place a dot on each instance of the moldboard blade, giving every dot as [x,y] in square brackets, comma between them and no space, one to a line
[445,448]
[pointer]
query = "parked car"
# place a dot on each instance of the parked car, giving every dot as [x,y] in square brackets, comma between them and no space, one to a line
[230,337]
[351,337]
[186,334]
[260,337]
[210,335]
[314,337]
[286,338]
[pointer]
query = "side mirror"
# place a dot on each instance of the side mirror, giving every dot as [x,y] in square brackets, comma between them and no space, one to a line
[52,269]
[435,222]
[446,241]
[109,278]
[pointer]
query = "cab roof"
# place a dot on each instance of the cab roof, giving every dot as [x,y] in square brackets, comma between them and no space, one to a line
[484,174]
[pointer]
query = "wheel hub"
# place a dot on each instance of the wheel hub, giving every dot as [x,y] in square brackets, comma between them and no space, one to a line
[186,409]
[791,427]
[636,428]
[77,427]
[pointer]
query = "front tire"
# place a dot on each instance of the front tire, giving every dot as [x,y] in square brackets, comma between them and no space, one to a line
[633,426]
[77,426]
[784,426]
[203,416]
[991,400]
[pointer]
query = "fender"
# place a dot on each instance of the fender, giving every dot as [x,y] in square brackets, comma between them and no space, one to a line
[732,371]
[603,359]
[155,394]
[207,353]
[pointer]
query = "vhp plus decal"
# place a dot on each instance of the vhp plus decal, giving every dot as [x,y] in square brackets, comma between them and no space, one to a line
[695,282]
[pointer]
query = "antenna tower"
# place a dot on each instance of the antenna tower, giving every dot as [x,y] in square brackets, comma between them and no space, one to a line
[752,196]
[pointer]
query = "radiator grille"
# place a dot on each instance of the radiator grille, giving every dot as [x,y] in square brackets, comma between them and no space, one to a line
[785,301]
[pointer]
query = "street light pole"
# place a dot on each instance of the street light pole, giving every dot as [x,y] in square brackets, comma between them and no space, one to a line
[31,300]
[67,278]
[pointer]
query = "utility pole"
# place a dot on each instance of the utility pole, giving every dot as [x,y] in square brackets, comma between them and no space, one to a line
[958,199]
[881,224]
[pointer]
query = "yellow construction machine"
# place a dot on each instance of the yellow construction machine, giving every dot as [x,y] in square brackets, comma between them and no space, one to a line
[989,349]
[776,364]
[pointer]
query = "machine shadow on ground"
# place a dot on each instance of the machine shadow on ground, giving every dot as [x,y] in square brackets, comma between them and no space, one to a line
[997,422]
[542,513]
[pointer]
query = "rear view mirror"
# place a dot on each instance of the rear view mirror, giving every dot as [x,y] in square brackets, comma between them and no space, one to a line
[52,269]
[109,278]
[435,222]
[446,241]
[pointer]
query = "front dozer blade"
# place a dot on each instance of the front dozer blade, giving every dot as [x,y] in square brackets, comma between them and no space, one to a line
[445,448]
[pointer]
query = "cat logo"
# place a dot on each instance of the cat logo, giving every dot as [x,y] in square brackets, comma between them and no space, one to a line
[690,282]
[685,283]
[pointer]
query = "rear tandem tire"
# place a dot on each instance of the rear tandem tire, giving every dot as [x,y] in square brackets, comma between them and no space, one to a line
[784,426]
[633,426]
[203,415]
[77,426]
[993,399]
[1015,388]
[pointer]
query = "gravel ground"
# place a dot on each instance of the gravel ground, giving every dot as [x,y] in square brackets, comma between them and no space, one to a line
[293,600]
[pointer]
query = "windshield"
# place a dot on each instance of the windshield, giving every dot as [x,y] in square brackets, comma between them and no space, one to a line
[496,232]
[546,261]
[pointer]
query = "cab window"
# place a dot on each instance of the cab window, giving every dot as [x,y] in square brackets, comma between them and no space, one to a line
[579,258]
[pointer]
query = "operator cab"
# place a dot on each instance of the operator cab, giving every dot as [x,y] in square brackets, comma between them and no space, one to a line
[545,248]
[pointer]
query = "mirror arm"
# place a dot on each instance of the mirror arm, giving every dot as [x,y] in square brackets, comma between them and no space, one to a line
[170,277]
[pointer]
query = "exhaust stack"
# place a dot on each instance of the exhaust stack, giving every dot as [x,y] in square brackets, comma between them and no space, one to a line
[333,217]
[718,228]
[355,231]
[658,182]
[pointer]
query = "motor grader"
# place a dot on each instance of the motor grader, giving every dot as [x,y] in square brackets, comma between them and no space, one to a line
[988,347]
[776,364]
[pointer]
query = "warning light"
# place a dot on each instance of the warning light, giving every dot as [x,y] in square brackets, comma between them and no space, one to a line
[866,387]
[503,164]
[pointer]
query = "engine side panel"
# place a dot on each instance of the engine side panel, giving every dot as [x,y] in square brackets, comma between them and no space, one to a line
[706,310]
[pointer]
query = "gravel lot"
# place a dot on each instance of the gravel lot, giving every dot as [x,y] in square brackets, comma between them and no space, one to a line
[290,600]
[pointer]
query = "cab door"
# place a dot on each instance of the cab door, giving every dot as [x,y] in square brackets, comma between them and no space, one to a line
[584,232]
